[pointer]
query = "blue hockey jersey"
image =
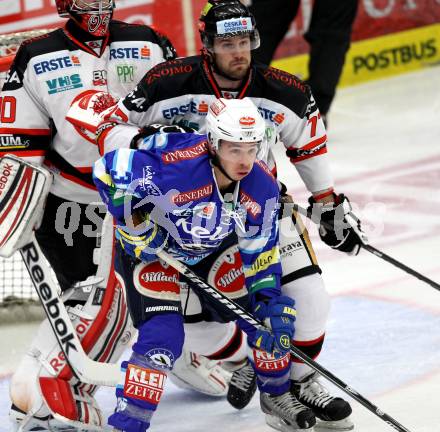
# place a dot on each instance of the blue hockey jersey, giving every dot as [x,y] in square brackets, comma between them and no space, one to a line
[172,183]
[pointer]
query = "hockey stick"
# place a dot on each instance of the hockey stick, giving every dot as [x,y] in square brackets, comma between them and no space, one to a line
[368,248]
[242,313]
[83,367]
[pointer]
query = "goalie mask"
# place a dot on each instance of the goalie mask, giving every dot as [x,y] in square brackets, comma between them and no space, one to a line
[226,19]
[93,16]
[237,121]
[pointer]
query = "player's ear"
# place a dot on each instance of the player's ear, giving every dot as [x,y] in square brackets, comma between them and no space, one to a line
[211,147]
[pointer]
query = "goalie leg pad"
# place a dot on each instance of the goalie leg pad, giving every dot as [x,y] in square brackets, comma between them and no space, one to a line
[104,328]
[23,191]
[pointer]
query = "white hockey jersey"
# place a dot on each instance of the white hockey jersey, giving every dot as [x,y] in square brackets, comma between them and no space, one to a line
[179,92]
[48,73]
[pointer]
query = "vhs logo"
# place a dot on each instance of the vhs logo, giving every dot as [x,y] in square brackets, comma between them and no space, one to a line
[61,84]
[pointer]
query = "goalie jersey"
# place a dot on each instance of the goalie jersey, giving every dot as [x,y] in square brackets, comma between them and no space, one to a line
[48,73]
[173,185]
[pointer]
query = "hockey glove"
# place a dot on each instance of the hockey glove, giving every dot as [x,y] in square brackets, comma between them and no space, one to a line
[346,235]
[279,315]
[145,140]
[142,246]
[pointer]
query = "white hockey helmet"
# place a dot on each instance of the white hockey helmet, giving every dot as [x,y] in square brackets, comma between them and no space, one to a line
[236,120]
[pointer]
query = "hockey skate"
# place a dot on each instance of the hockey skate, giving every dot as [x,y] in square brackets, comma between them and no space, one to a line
[242,386]
[333,413]
[286,414]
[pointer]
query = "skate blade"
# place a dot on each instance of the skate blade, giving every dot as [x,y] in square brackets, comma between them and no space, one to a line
[339,425]
[279,424]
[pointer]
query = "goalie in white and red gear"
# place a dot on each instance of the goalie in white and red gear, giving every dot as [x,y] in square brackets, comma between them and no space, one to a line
[47,74]
[43,383]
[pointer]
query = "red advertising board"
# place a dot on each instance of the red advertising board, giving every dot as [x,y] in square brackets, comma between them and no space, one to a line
[375,18]
[166,15]
[178,18]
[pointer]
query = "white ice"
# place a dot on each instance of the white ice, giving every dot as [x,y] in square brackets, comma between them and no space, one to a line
[383,336]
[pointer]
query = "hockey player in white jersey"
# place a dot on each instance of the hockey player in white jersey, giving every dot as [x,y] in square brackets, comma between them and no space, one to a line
[178,92]
[91,51]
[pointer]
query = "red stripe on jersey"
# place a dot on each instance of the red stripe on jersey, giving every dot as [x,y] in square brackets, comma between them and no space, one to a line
[25,153]
[311,144]
[85,47]
[100,140]
[309,342]
[317,153]
[230,348]
[211,79]
[324,194]
[25,131]
[246,85]
[84,169]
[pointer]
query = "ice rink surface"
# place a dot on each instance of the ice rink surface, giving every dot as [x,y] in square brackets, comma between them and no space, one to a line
[383,336]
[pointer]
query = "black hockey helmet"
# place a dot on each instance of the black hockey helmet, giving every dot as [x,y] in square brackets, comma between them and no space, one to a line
[226,18]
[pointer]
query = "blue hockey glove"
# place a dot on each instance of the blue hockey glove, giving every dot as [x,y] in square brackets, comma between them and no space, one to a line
[143,246]
[278,314]
[347,235]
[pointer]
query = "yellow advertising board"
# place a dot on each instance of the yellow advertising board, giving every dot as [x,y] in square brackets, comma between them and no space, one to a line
[380,57]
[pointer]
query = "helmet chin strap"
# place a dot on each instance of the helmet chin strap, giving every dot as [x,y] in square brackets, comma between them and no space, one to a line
[216,162]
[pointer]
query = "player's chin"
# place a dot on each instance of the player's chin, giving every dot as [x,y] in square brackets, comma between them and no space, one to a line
[240,175]
[239,71]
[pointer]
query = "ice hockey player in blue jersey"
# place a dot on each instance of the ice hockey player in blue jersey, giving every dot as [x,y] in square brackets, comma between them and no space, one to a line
[186,193]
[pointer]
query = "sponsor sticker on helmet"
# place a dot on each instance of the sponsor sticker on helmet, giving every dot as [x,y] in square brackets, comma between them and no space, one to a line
[247,121]
[217,107]
[234,25]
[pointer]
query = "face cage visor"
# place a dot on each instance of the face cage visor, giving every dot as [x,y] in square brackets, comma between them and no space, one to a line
[92,6]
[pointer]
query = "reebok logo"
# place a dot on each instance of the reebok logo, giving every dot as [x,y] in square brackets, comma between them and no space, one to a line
[50,302]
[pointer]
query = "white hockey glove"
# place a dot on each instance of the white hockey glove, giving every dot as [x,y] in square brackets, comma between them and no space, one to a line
[87,110]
